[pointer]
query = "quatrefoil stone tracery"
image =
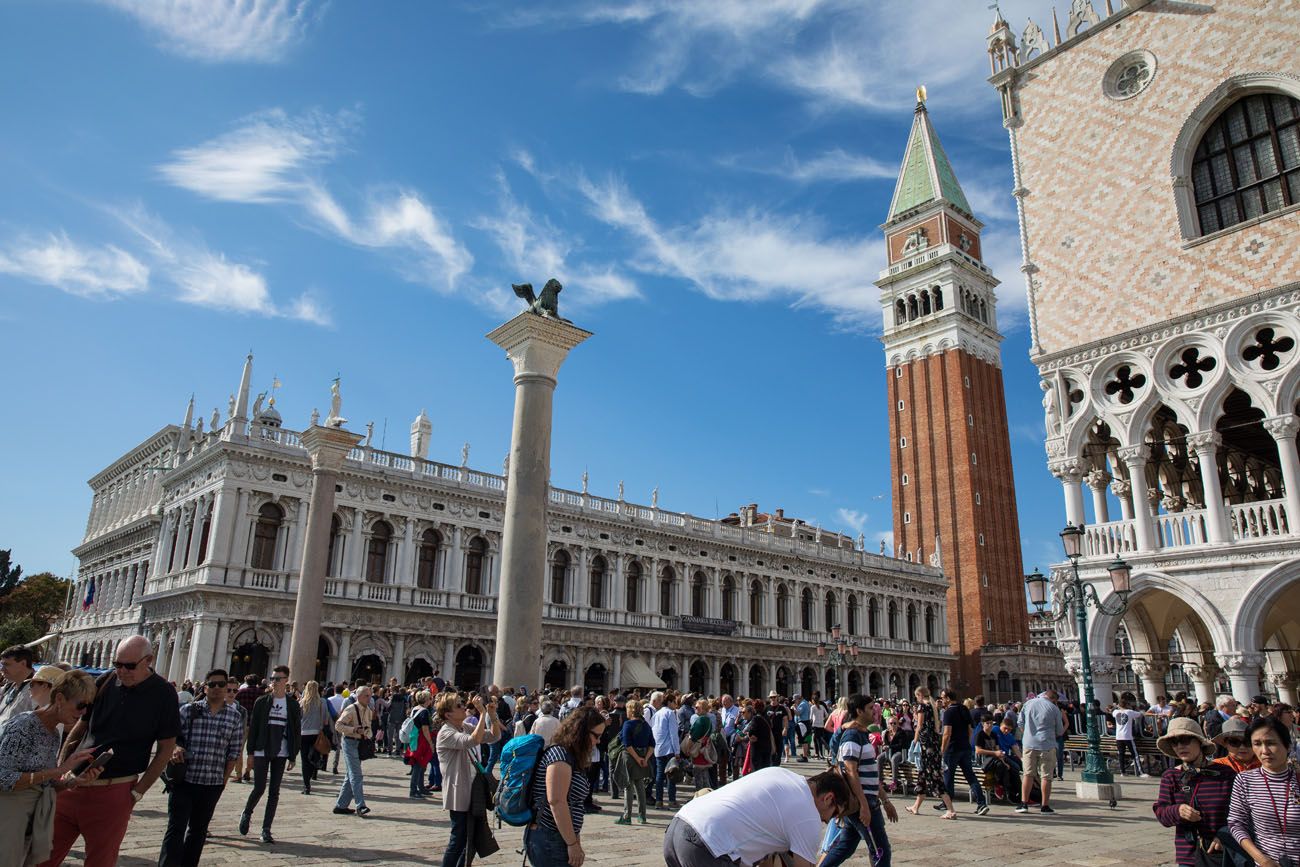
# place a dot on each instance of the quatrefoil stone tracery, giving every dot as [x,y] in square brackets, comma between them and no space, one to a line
[1125,384]
[1268,348]
[1191,366]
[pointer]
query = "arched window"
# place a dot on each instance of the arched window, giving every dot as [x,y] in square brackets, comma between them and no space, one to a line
[806,609]
[900,312]
[427,561]
[475,556]
[728,598]
[783,606]
[913,310]
[832,610]
[853,615]
[911,622]
[938,297]
[559,576]
[666,591]
[336,533]
[265,533]
[1248,162]
[633,588]
[929,624]
[873,617]
[925,303]
[381,534]
[699,587]
[596,593]
[893,619]
[756,602]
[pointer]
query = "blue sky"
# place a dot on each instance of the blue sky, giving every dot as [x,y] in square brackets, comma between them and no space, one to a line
[351,188]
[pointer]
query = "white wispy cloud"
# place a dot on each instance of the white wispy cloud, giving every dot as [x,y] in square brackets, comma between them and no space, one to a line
[535,249]
[89,271]
[275,158]
[262,31]
[835,165]
[852,518]
[748,255]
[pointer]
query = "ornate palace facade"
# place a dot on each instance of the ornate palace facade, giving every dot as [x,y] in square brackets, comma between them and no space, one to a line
[195,539]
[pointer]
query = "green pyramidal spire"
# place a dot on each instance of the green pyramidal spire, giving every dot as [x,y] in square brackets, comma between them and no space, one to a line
[926,175]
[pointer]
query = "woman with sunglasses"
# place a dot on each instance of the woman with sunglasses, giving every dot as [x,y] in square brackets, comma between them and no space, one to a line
[1265,814]
[1194,794]
[1232,737]
[457,746]
[560,789]
[30,770]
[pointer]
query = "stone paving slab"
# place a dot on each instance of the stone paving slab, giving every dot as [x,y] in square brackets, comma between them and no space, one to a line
[403,831]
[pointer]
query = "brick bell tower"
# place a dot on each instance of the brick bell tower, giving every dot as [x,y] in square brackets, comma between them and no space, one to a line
[953,491]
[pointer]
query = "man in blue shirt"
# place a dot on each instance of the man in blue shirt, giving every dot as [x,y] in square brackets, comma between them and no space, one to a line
[803,713]
[667,745]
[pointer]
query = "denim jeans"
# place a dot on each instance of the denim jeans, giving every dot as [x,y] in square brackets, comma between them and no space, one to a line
[459,839]
[1060,757]
[661,764]
[853,830]
[417,779]
[435,772]
[494,755]
[352,785]
[546,848]
[953,760]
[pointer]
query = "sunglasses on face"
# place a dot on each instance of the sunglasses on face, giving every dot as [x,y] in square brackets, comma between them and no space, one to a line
[82,705]
[217,684]
[1183,741]
[127,666]
[278,677]
[1234,742]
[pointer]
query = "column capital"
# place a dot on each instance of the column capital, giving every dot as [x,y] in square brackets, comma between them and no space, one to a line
[1284,426]
[1284,678]
[1067,470]
[1134,454]
[1150,669]
[1098,479]
[1121,488]
[1239,662]
[1207,441]
[328,446]
[537,345]
[1201,672]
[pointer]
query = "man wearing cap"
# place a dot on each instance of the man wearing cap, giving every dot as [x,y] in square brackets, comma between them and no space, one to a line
[16,662]
[134,709]
[1232,737]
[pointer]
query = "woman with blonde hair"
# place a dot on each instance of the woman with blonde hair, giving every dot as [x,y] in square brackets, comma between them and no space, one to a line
[30,771]
[929,776]
[315,721]
[458,748]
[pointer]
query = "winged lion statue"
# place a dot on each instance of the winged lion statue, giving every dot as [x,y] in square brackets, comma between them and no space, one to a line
[546,304]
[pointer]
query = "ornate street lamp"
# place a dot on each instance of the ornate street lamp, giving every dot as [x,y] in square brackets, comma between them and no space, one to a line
[839,655]
[1077,594]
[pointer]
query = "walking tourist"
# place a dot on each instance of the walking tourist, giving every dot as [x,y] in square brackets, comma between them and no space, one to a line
[860,763]
[667,746]
[134,710]
[211,735]
[315,726]
[354,726]
[560,790]
[1043,723]
[17,664]
[638,753]
[232,699]
[419,756]
[929,775]
[1264,816]
[955,747]
[458,749]
[1194,794]
[274,737]
[769,812]
[31,773]
[701,731]
[1125,719]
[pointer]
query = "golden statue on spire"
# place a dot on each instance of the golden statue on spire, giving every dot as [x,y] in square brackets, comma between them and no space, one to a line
[920,95]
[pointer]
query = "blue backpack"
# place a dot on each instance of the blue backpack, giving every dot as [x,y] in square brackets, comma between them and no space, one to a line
[519,760]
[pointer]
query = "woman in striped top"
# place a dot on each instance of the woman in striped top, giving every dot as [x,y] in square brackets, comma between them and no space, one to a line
[1194,794]
[560,789]
[1265,813]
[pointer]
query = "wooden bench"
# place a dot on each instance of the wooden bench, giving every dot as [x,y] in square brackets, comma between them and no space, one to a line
[1076,749]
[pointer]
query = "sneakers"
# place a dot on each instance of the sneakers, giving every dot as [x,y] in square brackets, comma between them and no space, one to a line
[939,806]
[344,811]
[1144,776]
[244,819]
[363,811]
[266,836]
[1046,809]
[1022,809]
[982,810]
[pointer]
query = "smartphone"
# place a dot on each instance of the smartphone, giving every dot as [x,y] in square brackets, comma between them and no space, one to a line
[98,762]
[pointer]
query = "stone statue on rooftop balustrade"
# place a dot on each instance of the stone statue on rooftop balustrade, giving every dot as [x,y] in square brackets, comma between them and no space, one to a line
[335,418]
[315,417]
[257,405]
[370,433]
[547,304]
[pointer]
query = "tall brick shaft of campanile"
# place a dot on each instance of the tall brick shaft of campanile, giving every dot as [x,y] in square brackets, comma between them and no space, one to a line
[953,491]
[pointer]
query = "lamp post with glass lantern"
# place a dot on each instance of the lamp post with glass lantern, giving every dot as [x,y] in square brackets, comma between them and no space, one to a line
[841,654]
[1078,594]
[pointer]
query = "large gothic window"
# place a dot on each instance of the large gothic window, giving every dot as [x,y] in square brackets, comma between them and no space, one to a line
[265,533]
[806,609]
[425,576]
[854,626]
[756,602]
[475,557]
[728,598]
[633,586]
[783,606]
[666,591]
[699,587]
[377,552]
[596,592]
[832,611]
[893,619]
[559,577]
[1248,162]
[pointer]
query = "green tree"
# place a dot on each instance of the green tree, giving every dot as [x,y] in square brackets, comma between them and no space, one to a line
[39,598]
[18,630]
[10,573]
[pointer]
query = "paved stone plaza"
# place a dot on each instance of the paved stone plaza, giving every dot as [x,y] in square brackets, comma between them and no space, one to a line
[401,831]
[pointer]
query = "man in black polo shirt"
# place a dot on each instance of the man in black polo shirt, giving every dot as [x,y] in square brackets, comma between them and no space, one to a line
[134,710]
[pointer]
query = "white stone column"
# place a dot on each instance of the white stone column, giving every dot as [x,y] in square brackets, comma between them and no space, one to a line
[456,564]
[176,662]
[1123,492]
[650,587]
[328,447]
[715,677]
[618,593]
[1283,429]
[1070,474]
[1135,458]
[241,529]
[398,667]
[1152,674]
[1285,684]
[449,659]
[203,640]
[162,657]
[1097,481]
[406,557]
[221,646]
[223,521]
[617,682]
[1243,669]
[190,542]
[343,664]
[356,544]
[1205,446]
[1202,677]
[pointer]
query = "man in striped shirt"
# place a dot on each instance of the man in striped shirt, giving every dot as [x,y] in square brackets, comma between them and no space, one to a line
[860,763]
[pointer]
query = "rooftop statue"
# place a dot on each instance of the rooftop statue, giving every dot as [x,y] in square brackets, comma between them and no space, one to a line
[547,304]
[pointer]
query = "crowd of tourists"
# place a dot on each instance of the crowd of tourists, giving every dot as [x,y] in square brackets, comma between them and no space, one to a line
[77,754]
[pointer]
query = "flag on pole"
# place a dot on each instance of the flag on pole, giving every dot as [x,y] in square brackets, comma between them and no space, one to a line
[90,595]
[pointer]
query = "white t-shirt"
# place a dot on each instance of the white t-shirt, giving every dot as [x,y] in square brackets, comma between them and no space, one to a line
[768,811]
[546,726]
[279,716]
[818,716]
[1124,720]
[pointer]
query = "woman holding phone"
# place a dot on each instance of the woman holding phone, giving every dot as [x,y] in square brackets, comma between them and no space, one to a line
[30,772]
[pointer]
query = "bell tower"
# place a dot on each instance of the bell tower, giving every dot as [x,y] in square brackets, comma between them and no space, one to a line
[950,452]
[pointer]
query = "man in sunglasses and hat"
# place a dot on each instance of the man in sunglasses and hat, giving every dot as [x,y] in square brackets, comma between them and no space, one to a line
[134,710]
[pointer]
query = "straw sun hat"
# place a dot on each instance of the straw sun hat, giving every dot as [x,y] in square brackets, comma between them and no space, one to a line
[1180,728]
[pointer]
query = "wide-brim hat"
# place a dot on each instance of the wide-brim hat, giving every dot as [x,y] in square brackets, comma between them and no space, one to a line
[50,675]
[1234,725]
[1181,727]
